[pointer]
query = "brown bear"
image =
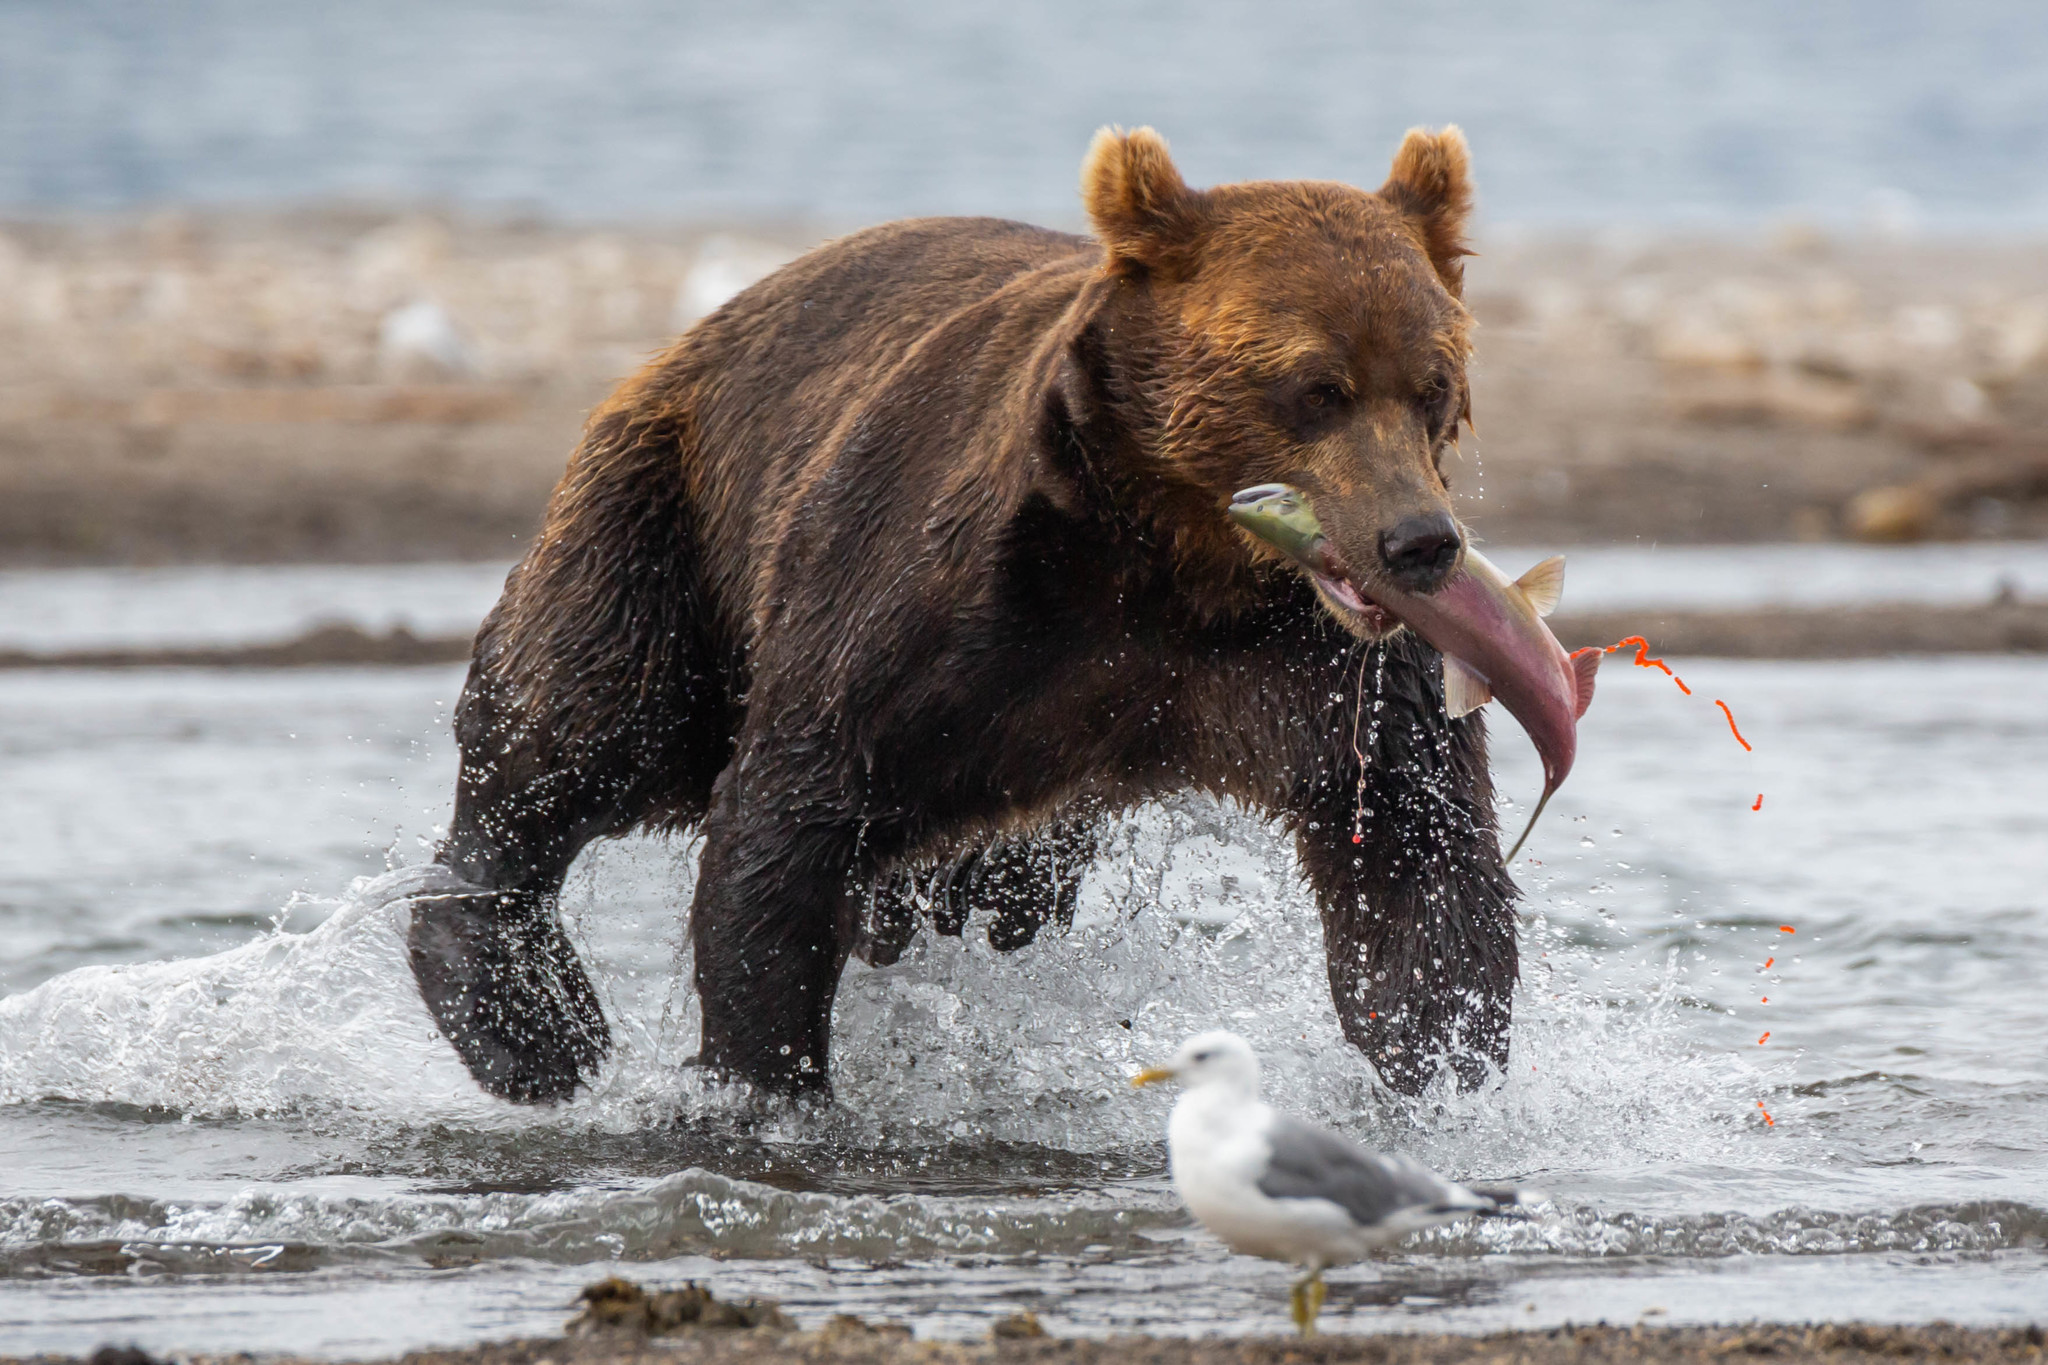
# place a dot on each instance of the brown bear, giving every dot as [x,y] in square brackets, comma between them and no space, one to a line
[908,566]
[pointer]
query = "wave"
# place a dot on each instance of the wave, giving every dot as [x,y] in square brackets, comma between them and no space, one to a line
[1585,1232]
[694,1212]
[697,1212]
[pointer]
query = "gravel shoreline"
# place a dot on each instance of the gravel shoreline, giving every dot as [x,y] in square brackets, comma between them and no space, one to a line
[849,1342]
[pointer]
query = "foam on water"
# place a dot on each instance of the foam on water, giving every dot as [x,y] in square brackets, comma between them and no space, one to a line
[694,1212]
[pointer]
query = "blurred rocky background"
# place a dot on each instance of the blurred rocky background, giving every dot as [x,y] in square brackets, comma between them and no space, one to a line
[1793,386]
[360,385]
[320,385]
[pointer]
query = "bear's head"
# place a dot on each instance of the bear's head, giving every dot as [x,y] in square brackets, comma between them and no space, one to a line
[1299,332]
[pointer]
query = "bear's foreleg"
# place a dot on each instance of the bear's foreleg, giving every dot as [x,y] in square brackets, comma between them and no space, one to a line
[1417,908]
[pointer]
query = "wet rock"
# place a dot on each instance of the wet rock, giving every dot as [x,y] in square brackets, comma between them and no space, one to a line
[1867,1339]
[619,1305]
[853,1327]
[1021,1325]
[121,1355]
[1892,513]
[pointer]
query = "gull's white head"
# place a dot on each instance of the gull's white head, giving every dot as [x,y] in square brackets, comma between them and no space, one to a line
[1218,1058]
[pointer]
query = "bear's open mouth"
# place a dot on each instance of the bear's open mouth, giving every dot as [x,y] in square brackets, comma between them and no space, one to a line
[1345,594]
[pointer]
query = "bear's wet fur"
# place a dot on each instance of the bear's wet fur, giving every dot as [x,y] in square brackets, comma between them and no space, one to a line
[908,566]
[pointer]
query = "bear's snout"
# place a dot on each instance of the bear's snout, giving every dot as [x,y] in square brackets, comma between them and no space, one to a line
[1419,552]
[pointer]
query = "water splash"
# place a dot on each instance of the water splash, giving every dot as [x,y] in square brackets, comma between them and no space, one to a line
[289,1022]
[1194,916]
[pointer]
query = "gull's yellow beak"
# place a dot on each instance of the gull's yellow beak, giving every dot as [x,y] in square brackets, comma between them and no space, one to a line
[1151,1074]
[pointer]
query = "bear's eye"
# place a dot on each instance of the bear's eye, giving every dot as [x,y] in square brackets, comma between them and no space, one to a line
[1438,395]
[1309,409]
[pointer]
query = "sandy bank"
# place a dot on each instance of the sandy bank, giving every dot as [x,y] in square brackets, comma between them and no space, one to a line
[370,386]
[1835,633]
[1832,633]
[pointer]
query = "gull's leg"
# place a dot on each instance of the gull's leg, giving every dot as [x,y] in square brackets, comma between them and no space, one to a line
[1316,1291]
[1305,1300]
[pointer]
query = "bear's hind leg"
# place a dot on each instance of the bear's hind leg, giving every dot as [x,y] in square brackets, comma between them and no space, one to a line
[595,705]
[1032,880]
[487,947]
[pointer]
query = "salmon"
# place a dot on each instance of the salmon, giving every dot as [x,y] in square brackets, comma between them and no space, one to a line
[1488,628]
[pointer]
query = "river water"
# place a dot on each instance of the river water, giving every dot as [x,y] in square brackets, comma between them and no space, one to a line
[1895,113]
[226,1122]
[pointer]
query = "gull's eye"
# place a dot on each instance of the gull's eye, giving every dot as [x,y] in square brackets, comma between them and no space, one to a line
[1203,1056]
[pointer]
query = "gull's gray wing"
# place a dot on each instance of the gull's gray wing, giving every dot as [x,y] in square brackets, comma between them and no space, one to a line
[1313,1163]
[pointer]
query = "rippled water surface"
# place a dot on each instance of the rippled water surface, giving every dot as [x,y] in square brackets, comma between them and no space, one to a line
[226,1121]
[208,604]
[1588,113]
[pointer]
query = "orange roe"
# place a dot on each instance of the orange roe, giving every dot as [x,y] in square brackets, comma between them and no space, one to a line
[1731,725]
[1766,1113]
[1643,659]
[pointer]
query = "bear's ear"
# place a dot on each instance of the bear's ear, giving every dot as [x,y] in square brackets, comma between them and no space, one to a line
[1432,184]
[1140,207]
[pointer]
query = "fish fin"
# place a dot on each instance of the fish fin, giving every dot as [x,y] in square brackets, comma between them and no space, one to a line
[1544,585]
[1464,690]
[1585,666]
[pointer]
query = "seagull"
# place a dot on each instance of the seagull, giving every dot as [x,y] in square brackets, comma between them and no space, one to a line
[1270,1185]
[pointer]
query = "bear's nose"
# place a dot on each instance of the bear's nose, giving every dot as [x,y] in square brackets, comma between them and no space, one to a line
[1420,551]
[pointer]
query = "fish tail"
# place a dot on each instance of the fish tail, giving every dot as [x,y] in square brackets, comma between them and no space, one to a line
[1529,828]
